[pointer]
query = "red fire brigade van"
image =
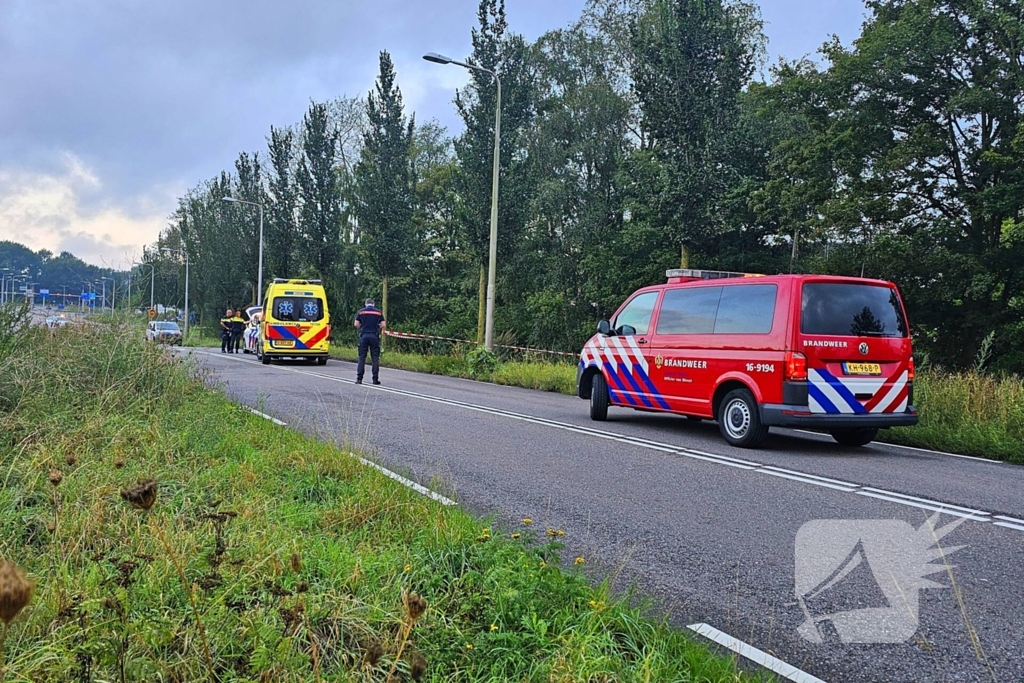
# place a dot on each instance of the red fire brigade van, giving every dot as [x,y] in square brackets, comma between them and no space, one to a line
[813,351]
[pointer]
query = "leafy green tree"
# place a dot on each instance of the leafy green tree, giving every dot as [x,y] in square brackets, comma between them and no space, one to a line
[692,60]
[320,193]
[282,229]
[929,112]
[384,180]
[506,54]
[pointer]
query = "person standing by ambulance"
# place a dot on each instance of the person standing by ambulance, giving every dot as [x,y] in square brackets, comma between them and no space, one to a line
[225,331]
[237,330]
[370,323]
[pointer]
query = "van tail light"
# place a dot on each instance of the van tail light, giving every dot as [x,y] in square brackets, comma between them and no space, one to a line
[910,370]
[796,367]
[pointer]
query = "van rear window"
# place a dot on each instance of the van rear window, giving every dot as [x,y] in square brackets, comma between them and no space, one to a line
[297,309]
[849,310]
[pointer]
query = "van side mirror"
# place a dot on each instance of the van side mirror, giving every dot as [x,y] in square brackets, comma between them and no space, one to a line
[604,327]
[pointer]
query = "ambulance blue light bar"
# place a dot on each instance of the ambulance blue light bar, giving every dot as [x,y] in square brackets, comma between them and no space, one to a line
[676,275]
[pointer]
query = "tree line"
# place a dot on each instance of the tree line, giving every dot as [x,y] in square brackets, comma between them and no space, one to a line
[646,135]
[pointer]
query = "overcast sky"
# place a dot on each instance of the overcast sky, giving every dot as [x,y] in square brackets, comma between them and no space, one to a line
[110,109]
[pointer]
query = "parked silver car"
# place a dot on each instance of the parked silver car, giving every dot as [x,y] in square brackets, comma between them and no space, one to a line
[163,332]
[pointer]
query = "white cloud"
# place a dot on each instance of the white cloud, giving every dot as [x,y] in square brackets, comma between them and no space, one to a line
[65,210]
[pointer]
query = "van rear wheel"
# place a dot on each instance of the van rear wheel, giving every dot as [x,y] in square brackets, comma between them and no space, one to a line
[855,437]
[739,420]
[599,398]
[265,359]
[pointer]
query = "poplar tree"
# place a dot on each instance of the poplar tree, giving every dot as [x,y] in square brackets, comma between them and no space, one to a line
[384,180]
[320,216]
[281,226]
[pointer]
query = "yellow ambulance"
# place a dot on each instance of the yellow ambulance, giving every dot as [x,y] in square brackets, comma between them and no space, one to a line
[296,322]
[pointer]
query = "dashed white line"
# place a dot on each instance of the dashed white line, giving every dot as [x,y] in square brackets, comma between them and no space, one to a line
[406,482]
[268,417]
[773,664]
[800,477]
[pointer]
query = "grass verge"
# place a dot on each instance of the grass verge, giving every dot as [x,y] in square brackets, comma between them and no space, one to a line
[965,413]
[540,375]
[260,555]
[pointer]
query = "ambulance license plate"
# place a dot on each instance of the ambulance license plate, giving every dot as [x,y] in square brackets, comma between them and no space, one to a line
[284,344]
[862,368]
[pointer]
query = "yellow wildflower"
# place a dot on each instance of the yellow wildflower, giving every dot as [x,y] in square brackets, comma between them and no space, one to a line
[543,564]
[408,568]
[580,560]
[469,646]
[517,535]
[494,627]
[527,520]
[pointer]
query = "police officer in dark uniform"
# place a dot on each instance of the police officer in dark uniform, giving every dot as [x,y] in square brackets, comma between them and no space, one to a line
[370,323]
[225,332]
[237,330]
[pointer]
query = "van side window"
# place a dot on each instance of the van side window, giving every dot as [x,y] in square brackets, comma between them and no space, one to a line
[689,310]
[746,309]
[637,313]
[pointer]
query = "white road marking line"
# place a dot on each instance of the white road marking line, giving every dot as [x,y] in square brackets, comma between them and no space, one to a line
[826,437]
[1012,520]
[755,655]
[406,482]
[977,516]
[800,477]
[837,482]
[804,480]
[972,511]
[268,417]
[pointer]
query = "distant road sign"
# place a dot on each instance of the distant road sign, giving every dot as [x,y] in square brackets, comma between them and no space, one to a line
[92,296]
[85,295]
[44,292]
[152,313]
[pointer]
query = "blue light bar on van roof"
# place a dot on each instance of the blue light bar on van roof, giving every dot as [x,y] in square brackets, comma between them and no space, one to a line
[693,274]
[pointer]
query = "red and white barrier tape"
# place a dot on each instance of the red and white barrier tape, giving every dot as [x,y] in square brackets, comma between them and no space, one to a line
[410,335]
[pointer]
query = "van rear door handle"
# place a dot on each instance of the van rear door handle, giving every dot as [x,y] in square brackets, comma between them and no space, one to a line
[641,341]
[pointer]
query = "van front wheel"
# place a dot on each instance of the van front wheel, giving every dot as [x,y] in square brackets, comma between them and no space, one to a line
[855,437]
[599,398]
[739,420]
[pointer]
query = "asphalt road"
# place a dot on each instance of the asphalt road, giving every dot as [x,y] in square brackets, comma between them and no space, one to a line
[709,532]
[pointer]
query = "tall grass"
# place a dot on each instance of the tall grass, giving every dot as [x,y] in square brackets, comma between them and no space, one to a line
[967,413]
[267,556]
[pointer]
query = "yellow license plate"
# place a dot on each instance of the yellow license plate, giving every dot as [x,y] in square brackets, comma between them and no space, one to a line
[862,368]
[284,344]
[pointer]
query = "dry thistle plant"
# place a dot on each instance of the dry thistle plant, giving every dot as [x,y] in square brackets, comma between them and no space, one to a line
[15,591]
[56,477]
[142,496]
[415,606]
[296,563]
[15,594]
[374,651]
[417,665]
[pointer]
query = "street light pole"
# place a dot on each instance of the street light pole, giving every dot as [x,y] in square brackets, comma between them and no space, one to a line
[185,254]
[492,258]
[152,286]
[259,276]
